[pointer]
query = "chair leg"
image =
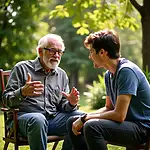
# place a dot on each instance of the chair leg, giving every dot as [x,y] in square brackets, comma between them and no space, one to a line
[6,145]
[55,145]
[16,147]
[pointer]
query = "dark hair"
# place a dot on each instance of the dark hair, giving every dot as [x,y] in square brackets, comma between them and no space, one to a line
[105,39]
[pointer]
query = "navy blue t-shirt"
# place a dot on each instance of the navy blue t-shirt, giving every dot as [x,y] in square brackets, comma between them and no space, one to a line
[129,79]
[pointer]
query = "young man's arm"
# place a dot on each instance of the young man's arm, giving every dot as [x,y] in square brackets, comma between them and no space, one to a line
[117,114]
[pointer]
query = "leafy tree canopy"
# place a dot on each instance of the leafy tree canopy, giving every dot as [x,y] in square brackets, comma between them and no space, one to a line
[92,15]
[18,25]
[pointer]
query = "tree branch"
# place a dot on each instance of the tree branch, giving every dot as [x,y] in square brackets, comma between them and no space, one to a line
[137,6]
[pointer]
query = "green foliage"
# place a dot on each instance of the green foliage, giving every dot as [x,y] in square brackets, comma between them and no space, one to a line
[147,74]
[96,94]
[89,15]
[131,46]
[19,23]
[75,54]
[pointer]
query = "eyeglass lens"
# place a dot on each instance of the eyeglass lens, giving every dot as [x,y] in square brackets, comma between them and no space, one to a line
[54,51]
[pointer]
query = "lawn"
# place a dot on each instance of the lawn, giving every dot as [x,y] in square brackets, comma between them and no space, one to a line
[85,108]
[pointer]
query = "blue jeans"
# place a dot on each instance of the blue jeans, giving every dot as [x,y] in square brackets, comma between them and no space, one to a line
[36,127]
[96,132]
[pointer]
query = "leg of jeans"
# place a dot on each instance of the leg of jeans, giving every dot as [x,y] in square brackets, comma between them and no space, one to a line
[34,126]
[78,142]
[97,131]
[57,126]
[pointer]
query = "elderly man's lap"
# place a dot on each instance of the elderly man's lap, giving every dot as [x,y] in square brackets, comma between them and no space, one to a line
[37,126]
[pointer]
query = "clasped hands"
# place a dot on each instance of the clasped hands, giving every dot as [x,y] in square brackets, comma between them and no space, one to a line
[36,88]
[76,126]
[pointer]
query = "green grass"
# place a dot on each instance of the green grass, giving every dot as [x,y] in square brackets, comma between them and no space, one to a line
[85,108]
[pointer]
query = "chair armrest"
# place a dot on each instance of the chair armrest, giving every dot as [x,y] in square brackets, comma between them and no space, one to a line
[9,109]
[13,111]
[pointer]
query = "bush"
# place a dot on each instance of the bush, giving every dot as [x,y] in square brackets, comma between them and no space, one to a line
[147,74]
[96,94]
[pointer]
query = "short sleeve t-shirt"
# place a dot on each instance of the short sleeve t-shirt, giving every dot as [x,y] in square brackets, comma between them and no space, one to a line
[129,79]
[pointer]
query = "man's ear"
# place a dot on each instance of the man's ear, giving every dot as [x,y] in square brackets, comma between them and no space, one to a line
[40,51]
[102,51]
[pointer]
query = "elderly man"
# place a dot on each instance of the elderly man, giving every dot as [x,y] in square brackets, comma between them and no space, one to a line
[125,118]
[39,88]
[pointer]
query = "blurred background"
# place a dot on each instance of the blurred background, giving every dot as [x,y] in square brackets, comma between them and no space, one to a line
[24,22]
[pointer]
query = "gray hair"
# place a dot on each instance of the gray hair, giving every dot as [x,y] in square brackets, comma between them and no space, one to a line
[44,41]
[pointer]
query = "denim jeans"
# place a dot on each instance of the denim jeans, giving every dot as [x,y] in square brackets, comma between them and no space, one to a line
[36,127]
[96,132]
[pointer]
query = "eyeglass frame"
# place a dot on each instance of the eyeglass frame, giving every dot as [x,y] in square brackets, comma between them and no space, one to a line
[53,52]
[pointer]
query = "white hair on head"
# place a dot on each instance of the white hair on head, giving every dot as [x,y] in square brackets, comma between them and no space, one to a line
[44,41]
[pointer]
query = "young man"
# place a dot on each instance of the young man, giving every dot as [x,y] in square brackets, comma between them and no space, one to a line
[39,88]
[125,118]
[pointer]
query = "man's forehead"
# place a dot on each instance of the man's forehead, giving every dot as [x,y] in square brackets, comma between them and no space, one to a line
[54,42]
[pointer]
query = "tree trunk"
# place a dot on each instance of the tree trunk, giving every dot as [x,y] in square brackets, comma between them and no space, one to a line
[145,20]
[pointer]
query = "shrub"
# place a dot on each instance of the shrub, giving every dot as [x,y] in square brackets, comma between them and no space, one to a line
[147,74]
[96,94]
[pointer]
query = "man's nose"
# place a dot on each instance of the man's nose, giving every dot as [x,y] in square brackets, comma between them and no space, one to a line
[56,54]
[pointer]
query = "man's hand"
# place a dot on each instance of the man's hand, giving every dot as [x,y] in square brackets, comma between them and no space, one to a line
[76,126]
[73,97]
[32,88]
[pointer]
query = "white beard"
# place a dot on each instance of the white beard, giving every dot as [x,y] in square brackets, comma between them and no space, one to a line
[50,65]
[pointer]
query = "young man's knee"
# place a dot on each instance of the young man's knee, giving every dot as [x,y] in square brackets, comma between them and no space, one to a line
[90,126]
[70,122]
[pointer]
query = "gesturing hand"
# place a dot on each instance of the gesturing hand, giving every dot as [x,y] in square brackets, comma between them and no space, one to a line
[32,88]
[73,97]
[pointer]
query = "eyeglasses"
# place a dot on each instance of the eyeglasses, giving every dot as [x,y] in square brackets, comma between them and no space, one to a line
[53,51]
